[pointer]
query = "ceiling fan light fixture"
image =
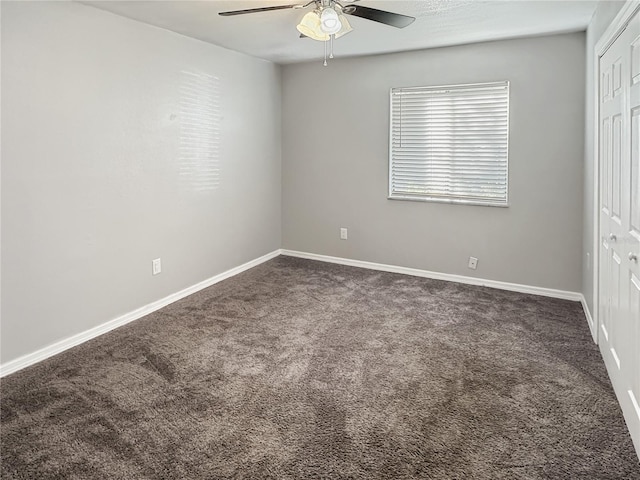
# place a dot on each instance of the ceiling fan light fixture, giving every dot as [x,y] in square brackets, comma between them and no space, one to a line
[345,27]
[309,26]
[329,21]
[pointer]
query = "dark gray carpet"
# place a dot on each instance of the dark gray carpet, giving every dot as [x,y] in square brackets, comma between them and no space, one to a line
[298,369]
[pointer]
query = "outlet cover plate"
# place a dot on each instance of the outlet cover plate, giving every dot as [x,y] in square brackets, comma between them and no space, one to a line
[157,266]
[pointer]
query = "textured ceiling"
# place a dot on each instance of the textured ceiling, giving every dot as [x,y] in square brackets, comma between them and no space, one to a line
[273,35]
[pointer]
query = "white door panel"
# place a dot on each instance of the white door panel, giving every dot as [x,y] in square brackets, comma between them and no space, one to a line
[616,157]
[634,177]
[615,317]
[619,228]
[605,165]
[634,304]
[632,203]
[605,302]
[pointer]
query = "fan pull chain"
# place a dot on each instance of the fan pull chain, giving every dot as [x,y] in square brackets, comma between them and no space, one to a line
[325,54]
[331,53]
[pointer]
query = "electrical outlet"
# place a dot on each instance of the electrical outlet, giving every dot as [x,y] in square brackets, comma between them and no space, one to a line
[343,234]
[156,266]
[473,263]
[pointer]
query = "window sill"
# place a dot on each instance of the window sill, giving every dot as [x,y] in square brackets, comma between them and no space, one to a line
[452,201]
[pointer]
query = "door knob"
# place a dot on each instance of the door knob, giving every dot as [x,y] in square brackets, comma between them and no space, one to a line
[612,237]
[633,257]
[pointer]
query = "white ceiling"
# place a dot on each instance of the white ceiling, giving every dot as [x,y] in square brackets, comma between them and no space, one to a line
[273,35]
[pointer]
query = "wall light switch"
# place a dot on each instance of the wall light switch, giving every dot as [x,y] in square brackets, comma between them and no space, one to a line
[343,233]
[157,266]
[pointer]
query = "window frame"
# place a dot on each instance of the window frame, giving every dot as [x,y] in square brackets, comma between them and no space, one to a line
[450,200]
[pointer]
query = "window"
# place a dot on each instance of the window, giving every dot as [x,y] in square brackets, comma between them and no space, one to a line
[450,144]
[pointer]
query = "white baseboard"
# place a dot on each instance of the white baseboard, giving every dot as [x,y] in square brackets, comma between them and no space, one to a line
[514,287]
[58,347]
[590,321]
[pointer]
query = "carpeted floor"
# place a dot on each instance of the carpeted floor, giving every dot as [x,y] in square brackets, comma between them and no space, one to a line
[298,369]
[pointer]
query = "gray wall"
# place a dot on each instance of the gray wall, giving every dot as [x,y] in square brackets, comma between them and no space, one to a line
[604,14]
[335,161]
[94,182]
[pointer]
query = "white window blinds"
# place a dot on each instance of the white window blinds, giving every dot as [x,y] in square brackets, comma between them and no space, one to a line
[450,144]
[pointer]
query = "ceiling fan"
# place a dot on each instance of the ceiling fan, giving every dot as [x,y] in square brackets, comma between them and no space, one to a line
[327,20]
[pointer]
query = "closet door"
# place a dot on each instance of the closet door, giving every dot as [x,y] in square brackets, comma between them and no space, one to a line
[632,224]
[612,68]
[619,278]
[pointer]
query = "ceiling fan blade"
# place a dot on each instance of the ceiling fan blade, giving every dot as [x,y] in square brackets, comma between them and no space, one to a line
[388,18]
[257,10]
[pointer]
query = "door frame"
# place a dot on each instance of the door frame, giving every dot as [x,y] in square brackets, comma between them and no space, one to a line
[609,36]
